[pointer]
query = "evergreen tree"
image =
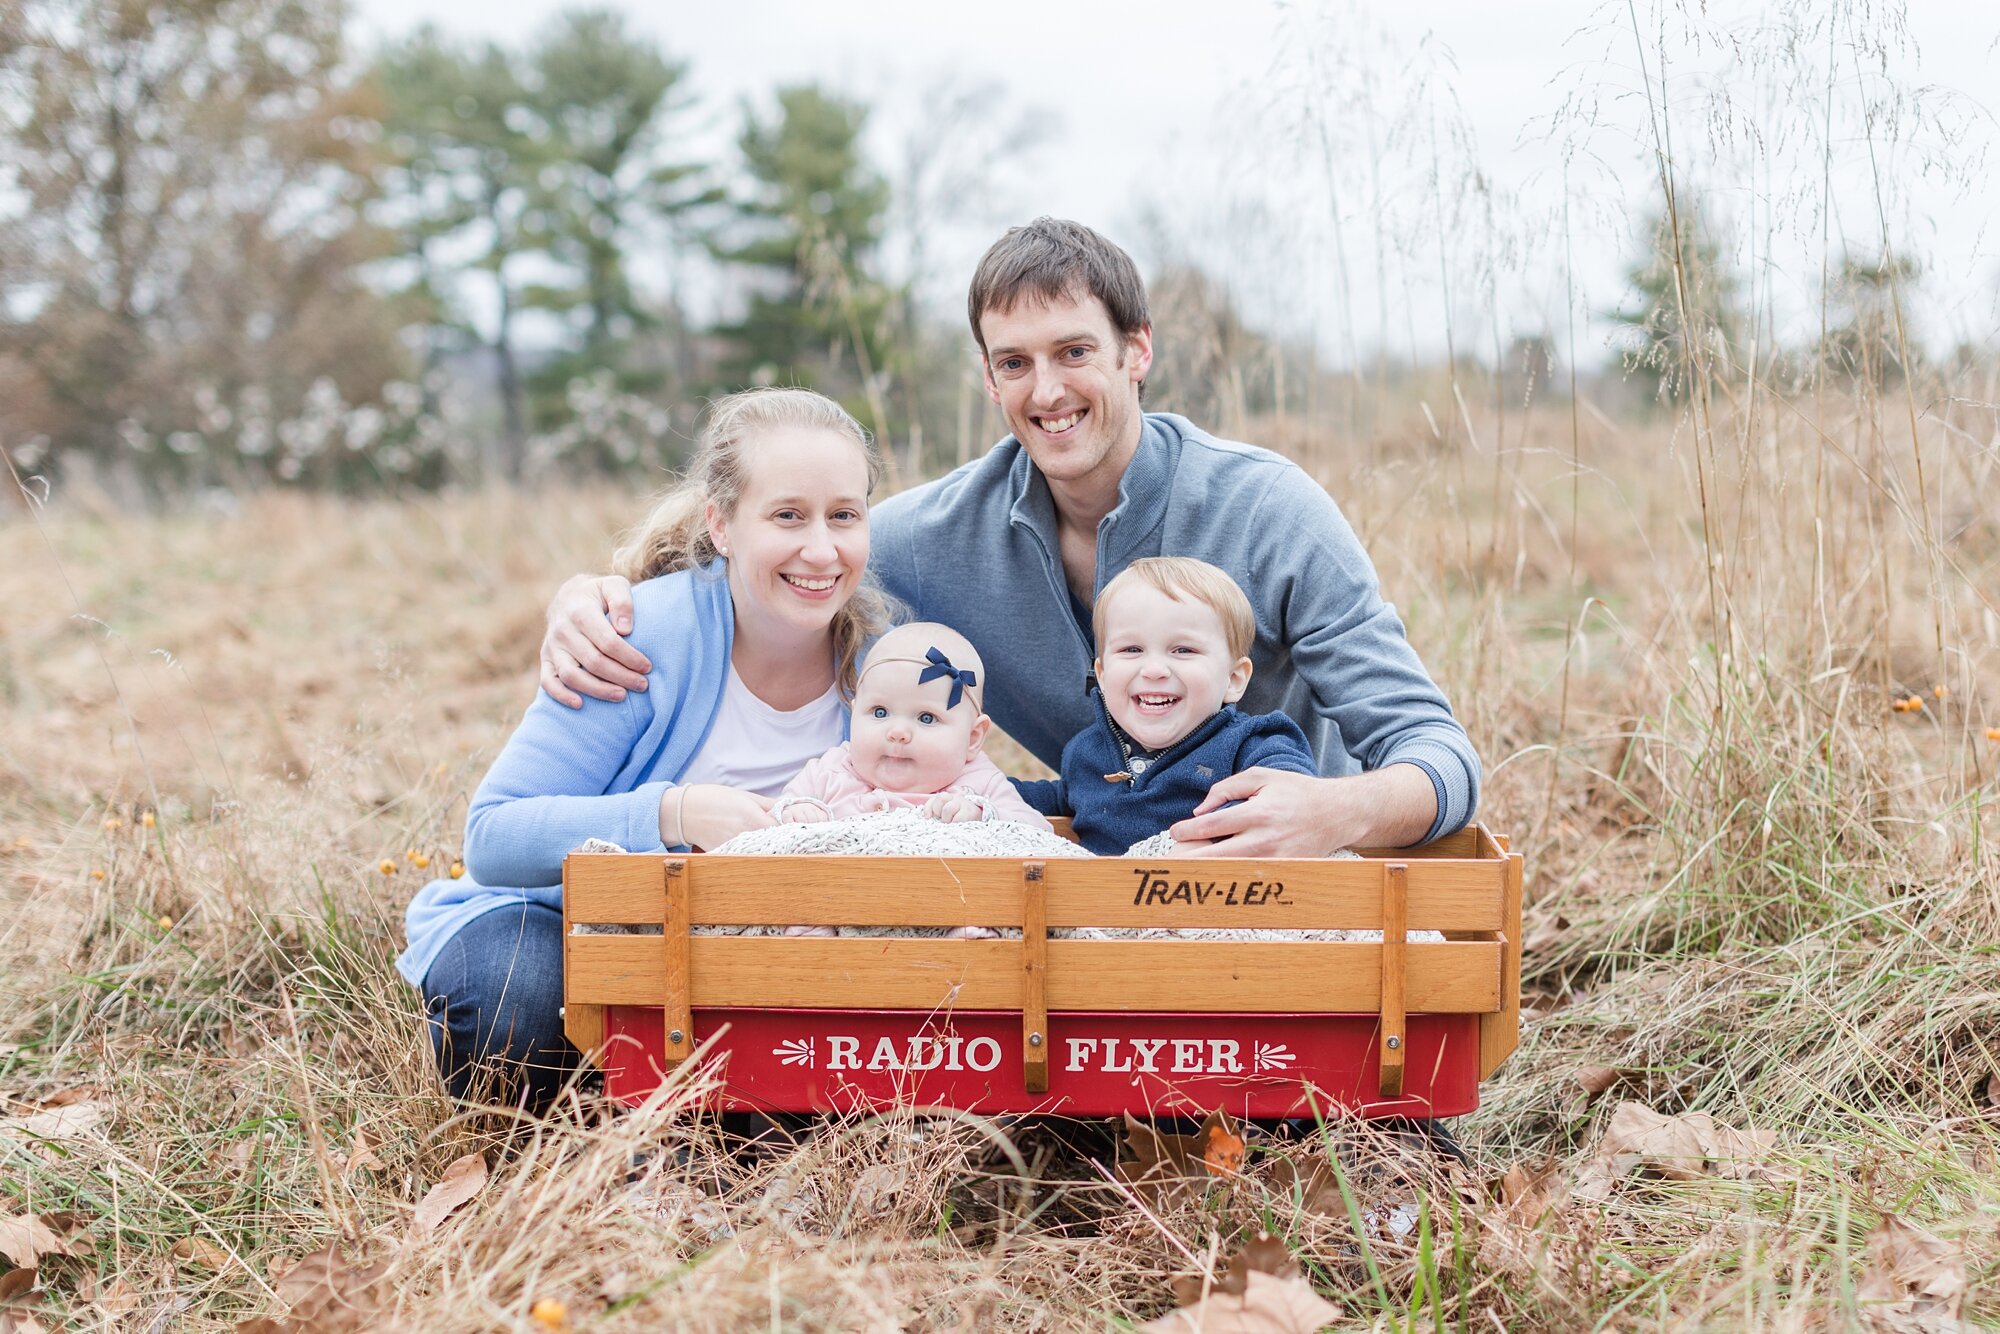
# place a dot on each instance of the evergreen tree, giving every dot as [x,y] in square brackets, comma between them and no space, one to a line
[465,163]
[607,102]
[809,224]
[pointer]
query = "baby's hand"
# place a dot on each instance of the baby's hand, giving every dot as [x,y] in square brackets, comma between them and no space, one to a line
[954,807]
[803,810]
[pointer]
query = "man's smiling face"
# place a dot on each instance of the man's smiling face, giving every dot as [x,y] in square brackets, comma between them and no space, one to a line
[1068,385]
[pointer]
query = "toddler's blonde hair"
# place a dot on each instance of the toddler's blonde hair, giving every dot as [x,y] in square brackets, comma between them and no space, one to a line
[1185,579]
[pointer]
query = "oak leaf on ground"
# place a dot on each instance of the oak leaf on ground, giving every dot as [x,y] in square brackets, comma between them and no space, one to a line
[26,1238]
[461,1181]
[1913,1281]
[327,1295]
[1267,1305]
[1156,1157]
[1681,1148]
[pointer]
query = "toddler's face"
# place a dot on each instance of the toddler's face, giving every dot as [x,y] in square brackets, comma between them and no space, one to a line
[1164,665]
[903,738]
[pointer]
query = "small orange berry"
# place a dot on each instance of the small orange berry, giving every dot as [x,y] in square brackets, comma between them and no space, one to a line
[1940,691]
[1993,734]
[147,820]
[550,1314]
[386,867]
[113,822]
[458,868]
[97,873]
[420,861]
[166,922]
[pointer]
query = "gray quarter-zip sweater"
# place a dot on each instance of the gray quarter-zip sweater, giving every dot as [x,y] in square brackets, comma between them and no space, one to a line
[977,550]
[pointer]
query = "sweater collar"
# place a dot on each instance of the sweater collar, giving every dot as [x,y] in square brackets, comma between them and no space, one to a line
[1142,491]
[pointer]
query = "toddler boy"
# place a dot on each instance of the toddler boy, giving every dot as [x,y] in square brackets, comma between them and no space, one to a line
[1173,657]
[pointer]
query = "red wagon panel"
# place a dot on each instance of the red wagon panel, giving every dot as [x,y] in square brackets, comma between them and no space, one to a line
[1099,1064]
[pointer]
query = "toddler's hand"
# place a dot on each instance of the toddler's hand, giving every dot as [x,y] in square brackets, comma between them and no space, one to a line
[953,807]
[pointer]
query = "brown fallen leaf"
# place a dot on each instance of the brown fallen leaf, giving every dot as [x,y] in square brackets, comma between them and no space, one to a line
[1543,930]
[201,1251]
[1913,1281]
[118,1298]
[1266,1306]
[326,1295]
[1993,1092]
[26,1238]
[1262,1254]
[66,1122]
[1595,1079]
[70,1097]
[1309,1178]
[460,1182]
[16,1283]
[1514,1238]
[1157,1157]
[1681,1148]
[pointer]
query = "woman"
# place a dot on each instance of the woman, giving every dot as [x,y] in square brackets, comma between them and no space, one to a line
[753,612]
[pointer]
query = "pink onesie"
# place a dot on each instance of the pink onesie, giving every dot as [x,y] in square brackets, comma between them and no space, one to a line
[832,781]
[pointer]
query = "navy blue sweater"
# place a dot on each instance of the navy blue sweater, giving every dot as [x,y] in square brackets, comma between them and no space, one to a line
[1112,808]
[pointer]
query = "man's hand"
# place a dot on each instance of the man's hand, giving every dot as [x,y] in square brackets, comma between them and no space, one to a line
[584,649]
[707,815]
[1292,815]
[954,808]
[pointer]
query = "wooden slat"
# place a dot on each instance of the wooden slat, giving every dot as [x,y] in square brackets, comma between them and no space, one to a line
[985,891]
[582,1024]
[1395,898]
[1307,977]
[622,889]
[1463,843]
[676,978]
[1500,1032]
[1034,978]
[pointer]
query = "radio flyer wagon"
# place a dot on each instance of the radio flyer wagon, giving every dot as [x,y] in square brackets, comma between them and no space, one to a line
[1078,1027]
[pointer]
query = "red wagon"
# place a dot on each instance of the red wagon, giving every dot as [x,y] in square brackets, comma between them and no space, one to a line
[1046,1022]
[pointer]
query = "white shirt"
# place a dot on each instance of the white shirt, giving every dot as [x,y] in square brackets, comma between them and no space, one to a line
[760,749]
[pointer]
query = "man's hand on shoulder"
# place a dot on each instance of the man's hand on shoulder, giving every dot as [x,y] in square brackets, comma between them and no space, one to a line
[584,651]
[1281,814]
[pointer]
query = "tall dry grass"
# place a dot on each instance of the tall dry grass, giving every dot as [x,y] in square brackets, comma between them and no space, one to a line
[1756,890]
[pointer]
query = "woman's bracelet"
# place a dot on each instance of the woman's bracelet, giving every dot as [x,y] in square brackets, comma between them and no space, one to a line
[679,840]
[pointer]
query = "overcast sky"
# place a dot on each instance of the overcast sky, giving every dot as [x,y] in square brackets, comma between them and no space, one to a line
[1193,128]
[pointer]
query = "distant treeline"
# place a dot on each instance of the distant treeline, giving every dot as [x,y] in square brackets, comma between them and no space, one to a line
[233,253]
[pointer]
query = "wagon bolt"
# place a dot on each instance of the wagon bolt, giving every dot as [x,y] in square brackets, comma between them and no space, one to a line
[676,1036]
[1395,1044]
[1034,1039]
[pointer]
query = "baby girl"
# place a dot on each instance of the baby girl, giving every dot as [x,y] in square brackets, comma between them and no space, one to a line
[914,742]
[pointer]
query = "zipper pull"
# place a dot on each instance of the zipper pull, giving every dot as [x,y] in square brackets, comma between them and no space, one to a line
[1118,778]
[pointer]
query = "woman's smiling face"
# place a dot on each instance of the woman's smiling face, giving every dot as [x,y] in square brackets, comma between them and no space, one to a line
[797,541]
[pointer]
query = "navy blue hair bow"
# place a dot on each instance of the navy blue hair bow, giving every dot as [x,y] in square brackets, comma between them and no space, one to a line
[941,666]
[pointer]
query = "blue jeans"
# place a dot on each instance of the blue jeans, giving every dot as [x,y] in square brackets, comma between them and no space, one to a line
[493,1002]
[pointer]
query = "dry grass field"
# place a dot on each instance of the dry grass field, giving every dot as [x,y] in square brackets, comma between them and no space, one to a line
[1764,903]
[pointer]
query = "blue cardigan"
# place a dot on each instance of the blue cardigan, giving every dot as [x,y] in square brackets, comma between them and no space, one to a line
[571,774]
[1111,814]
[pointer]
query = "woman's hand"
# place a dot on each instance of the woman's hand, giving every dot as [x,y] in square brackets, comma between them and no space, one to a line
[954,807]
[707,815]
[585,649]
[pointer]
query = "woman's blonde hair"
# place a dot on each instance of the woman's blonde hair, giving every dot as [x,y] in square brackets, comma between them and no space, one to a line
[674,534]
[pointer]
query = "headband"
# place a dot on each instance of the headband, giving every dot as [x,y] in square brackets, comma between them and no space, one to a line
[935,666]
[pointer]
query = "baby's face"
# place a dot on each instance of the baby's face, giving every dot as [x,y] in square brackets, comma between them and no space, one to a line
[1164,665]
[903,738]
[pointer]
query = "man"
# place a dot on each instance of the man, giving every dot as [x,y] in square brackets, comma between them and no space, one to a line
[1011,549]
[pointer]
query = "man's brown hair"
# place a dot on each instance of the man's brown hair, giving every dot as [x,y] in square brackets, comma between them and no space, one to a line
[1050,259]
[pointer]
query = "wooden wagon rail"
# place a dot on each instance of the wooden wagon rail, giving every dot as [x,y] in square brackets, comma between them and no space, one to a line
[1466,887]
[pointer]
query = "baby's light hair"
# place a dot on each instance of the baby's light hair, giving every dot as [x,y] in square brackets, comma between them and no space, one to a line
[1185,579]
